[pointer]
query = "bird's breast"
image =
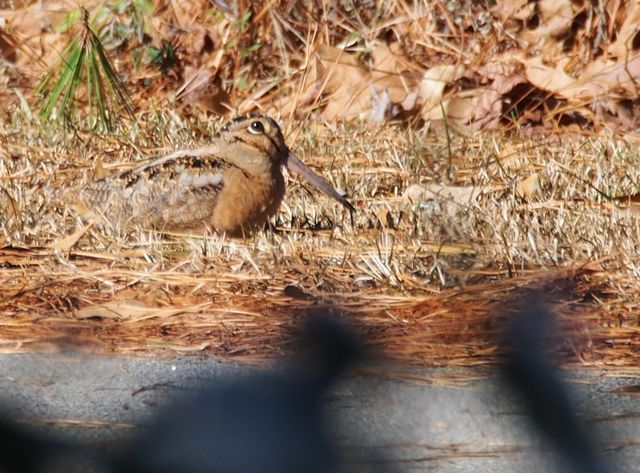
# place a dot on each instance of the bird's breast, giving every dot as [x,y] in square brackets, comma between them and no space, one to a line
[247,200]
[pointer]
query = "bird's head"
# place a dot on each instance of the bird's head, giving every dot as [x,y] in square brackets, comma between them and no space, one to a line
[262,134]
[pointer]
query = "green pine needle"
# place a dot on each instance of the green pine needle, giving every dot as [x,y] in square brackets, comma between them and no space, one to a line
[84,61]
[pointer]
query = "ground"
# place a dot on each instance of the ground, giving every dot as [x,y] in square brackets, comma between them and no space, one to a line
[448,227]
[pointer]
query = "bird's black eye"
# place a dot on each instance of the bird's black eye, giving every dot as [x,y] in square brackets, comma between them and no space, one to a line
[256,127]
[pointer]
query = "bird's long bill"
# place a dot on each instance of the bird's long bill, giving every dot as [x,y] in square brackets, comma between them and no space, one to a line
[296,166]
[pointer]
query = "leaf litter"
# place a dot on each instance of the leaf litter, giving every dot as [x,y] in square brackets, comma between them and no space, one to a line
[517,63]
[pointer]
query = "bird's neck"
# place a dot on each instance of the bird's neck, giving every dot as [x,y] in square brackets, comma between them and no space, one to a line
[252,160]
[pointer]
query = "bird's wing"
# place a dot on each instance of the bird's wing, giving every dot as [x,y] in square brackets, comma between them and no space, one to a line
[207,152]
[175,191]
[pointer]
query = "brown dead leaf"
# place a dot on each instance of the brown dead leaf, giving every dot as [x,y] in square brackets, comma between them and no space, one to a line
[384,218]
[346,88]
[200,89]
[499,65]
[36,18]
[346,83]
[215,100]
[504,83]
[556,17]
[513,9]
[528,187]
[488,110]
[391,72]
[512,157]
[603,78]
[10,204]
[622,47]
[33,25]
[460,109]
[409,102]
[432,86]
[600,85]
[185,13]
[546,77]
[442,199]
[554,79]
[502,74]
[132,310]
[67,242]
[203,43]
[555,20]
[98,169]
[615,112]
[337,80]
[7,46]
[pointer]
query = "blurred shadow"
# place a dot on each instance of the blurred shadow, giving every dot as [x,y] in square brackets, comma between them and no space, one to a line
[531,372]
[268,421]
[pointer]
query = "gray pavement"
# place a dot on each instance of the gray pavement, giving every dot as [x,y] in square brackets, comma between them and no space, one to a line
[417,420]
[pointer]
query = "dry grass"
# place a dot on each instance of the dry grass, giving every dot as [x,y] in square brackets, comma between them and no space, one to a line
[428,279]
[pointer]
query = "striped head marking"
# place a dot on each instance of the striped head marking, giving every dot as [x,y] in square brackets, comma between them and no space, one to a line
[259,131]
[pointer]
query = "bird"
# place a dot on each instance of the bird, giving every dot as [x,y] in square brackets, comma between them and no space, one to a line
[231,186]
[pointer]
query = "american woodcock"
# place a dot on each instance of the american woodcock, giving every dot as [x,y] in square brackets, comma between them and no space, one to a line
[232,185]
